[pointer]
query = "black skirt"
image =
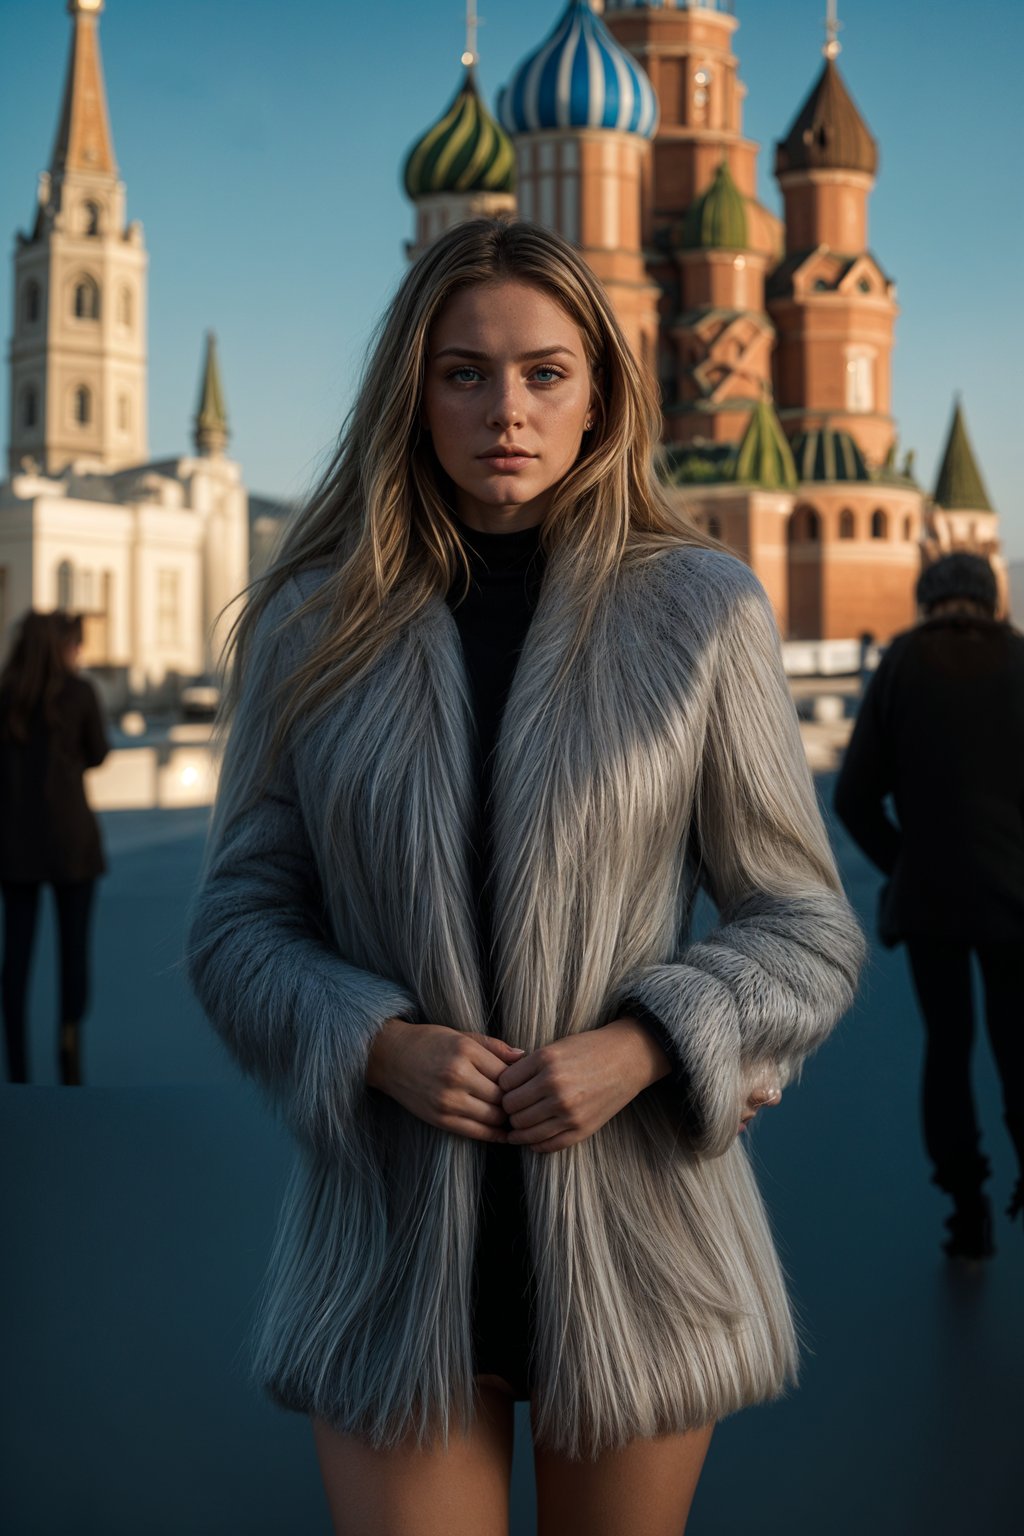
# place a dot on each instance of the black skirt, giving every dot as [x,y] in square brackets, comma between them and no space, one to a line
[503,1280]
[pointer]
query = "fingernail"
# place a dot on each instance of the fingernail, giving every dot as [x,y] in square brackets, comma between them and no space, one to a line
[518,1050]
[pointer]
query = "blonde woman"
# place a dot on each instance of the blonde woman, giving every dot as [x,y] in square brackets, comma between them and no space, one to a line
[497,709]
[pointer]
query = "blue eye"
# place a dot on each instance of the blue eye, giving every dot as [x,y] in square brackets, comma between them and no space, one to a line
[466,369]
[554,372]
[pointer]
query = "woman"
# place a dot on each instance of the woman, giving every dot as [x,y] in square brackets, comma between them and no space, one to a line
[449,932]
[51,730]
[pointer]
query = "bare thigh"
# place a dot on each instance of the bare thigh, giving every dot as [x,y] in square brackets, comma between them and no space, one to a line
[645,1489]
[461,1491]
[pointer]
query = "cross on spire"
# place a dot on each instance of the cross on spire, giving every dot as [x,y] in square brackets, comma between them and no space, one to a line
[832,46]
[471,57]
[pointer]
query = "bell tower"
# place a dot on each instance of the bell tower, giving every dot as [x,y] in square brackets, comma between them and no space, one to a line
[833,306]
[78,351]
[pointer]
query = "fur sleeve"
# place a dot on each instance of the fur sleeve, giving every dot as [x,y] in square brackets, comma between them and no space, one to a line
[773,978]
[295,1015]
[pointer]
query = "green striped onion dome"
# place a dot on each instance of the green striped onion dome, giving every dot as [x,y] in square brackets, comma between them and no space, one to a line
[764,457]
[464,151]
[828,455]
[719,217]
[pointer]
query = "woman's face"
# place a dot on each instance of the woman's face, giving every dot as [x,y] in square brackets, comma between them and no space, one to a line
[507,396]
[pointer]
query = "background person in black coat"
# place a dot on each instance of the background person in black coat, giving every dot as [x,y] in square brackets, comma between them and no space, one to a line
[941,730]
[51,730]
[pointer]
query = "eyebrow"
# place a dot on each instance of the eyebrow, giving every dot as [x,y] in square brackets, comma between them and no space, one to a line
[483,357]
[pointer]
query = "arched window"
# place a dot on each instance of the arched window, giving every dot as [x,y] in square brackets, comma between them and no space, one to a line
[821,286]
[91,218]
[124,306]
[879,524]
[83,405]
[804,526]
[864,285]
[847,524]
[32,302]
[124,412]
[86,589]
[908,527]
[29,406]
[65,584]
[87,300]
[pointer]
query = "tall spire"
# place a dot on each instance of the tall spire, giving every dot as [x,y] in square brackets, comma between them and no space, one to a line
[471,57]
[959,485]
[83,140]
[211,419]
[833,47]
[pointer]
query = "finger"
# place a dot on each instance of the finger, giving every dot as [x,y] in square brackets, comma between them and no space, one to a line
[535,1133]
[534,1114]
[766,1095]
[460,1125]
[520,1071]
[501,1048]
[487,1061]
[468,1107]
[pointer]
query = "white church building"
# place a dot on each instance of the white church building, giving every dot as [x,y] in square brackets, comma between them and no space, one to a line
[149,552]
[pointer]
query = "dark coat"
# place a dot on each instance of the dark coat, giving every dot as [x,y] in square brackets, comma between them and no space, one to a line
[941,729]
[47,830]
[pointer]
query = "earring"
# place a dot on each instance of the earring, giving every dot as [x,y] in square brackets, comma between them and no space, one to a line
[588,424]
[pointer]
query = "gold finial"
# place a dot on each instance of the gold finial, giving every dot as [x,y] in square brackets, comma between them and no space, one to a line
[471,57]
[833,46]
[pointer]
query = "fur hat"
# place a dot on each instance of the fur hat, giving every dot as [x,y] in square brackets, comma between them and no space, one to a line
[960,574]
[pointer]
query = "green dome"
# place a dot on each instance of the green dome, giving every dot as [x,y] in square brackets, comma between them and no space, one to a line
[828,455]
[464,151]
[719,217]
[765,458]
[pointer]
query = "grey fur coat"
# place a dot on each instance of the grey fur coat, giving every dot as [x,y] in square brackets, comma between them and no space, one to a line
[340,896]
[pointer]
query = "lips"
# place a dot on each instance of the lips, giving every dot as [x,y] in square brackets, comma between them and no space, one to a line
[507,460]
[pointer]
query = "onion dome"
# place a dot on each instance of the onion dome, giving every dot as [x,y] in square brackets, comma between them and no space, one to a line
[579,77]
[828,455]
[959,485]
[828,132]
[718,217]
[765,458]
[464,151]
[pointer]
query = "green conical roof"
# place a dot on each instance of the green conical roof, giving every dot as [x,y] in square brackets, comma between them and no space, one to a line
[211,420]
[719,217]
[959,484]
[765,458]
[464,151]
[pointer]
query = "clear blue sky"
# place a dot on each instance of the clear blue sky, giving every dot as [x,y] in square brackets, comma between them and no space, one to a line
[262,142]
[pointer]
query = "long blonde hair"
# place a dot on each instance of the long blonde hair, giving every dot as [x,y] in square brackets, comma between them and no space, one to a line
[380,518]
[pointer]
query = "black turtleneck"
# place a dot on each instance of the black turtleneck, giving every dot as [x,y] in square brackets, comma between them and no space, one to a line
[506,570]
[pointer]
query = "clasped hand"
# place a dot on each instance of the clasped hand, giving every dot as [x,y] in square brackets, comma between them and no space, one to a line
[482,1087]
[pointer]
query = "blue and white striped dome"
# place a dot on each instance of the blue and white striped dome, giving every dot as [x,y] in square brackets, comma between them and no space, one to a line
[579,77]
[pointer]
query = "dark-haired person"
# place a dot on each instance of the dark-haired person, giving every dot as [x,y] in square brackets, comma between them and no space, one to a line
[51,731]
[487,702]
[941,730]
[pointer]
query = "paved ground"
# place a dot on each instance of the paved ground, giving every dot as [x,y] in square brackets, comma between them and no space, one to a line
[136,1216]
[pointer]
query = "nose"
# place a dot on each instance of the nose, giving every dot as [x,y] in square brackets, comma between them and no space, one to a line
[506,405]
